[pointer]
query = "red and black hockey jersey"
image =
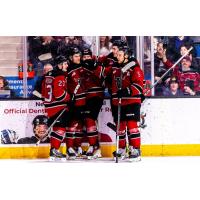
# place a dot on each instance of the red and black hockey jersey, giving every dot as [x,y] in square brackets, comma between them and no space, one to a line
[133,78]
[54,92]
[107,61]
[93,82]
[76,75]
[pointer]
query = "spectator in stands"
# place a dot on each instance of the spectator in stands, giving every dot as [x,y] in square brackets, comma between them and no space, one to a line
[195,62]
[47,67]
[189,88]
[155,43]
[5,91]
[3,83]
[65,45]
[43,48]
[160,68]
[70,42]
[189,79]
[131,42]
[114,38]
[36,94]
[80,43]
[147,50]
[174,44]
[196,43]
[104,49]
[59,38]
[173,89]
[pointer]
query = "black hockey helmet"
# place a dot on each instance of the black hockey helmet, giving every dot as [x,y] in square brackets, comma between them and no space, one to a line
[74,50]
[86,51]
[64,59]
[40,119]
[126,50]
[60,59]
[119,43]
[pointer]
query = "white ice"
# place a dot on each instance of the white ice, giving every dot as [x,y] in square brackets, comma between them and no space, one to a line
[171,178]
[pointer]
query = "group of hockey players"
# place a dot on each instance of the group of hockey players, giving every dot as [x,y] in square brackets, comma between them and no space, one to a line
[73,94]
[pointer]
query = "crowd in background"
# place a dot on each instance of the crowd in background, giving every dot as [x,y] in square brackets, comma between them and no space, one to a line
[43,50]
[183,80]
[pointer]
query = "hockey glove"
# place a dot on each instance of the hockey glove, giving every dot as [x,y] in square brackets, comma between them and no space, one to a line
[71,103]
[126,92]
[89,64]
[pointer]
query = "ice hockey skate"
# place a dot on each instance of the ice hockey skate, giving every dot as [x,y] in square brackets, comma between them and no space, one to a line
[80,153]
[93,152]
[56,155]
[122,155]
[134,154]
[71,154]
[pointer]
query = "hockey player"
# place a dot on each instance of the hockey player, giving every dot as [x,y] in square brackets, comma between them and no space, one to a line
[131,93]
[56,98]
[40,126]
[94,101]
[74,133]
[111,58]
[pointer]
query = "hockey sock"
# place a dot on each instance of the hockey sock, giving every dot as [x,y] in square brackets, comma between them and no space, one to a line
[134,134]
[78,139]
[92,132]
[92,138]
[72,130]
[69,139]
[122,135]
[57,136]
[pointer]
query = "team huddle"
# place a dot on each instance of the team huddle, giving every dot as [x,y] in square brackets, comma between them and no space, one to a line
[73,94]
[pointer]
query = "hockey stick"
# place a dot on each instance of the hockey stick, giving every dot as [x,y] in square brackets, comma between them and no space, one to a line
[128,66]
[112,126]
[48,130]
[116,129]
[47,133]
[174,65]
[142,124]
[119,83]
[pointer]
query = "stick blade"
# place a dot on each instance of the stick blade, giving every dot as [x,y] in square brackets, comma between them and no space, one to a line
[112,126]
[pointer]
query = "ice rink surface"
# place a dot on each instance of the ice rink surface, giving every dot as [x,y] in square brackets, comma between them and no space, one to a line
[172,178]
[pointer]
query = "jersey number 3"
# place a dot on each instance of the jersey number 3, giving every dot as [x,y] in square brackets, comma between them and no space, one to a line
[49,93]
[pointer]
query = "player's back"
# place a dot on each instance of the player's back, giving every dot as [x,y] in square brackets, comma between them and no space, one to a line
[54,91]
